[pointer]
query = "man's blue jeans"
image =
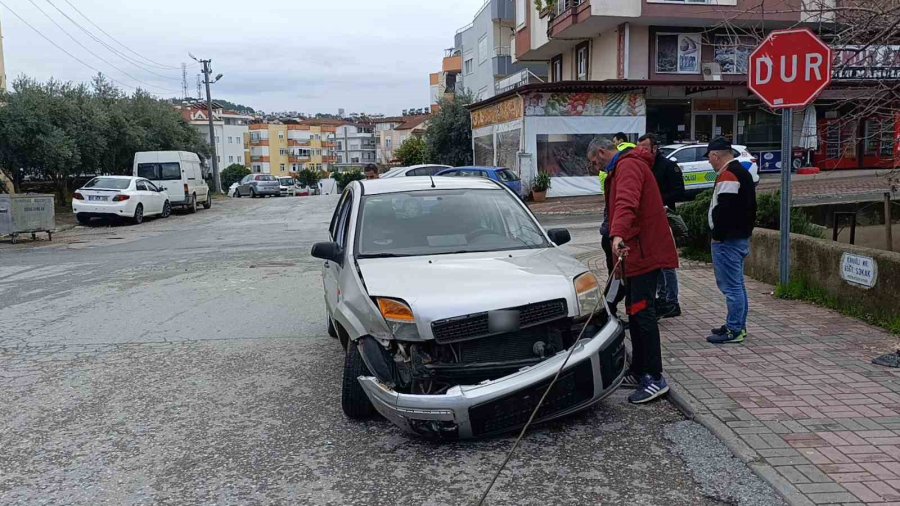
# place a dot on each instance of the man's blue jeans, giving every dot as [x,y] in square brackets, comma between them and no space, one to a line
[728,264]
[667,286]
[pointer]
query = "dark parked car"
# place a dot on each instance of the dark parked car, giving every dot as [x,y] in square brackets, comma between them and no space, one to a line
[258,185]
[502,175]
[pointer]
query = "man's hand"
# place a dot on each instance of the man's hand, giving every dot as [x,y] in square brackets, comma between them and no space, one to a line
[618,247]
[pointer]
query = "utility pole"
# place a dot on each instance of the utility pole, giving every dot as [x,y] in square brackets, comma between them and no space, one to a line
[207,69]
[184,85]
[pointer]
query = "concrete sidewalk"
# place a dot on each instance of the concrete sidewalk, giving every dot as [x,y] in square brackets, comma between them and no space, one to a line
[799,401]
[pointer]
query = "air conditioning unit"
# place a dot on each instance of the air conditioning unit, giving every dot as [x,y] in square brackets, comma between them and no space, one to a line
[712,72]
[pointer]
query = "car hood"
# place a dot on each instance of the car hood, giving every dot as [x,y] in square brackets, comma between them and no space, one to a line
[445,286]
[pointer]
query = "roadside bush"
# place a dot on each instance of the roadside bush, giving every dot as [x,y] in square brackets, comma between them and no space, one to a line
[344,178]
[768,215]
[309,178]
[232,174]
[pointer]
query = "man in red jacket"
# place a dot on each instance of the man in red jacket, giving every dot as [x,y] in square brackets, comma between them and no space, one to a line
[640,232]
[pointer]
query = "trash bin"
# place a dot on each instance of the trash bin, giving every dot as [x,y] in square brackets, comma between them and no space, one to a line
[27,214]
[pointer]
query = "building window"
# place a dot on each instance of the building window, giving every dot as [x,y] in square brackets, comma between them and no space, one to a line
[556,69]
[230,158]
[282,167]
[240,159]
[482,50]
[678,53]
[467,66]
[733,52]
[582,59]
[281,135]
[283,152]
[521,5]
[217,139]
[387,144]
[230,140]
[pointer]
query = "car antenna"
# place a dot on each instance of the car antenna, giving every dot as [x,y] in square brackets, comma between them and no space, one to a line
[432,180]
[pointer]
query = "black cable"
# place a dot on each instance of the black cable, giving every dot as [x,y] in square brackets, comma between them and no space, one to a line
[550,386]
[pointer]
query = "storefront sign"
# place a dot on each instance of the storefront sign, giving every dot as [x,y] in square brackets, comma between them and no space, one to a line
[503,112]
[585,104]
[866,62]
[858,270]
[714,104]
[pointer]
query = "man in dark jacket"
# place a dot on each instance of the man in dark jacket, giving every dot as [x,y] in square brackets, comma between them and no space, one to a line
[640,232]
[732,214]
[671,186]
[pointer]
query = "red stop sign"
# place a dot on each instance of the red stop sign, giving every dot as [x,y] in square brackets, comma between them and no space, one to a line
[789,69]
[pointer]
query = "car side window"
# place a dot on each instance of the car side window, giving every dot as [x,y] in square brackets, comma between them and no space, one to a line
[344,221]
[452,173]
[417,172]
[246,178]
[430,171]
[150,186]
[140,186]
[335,218]
[685,155]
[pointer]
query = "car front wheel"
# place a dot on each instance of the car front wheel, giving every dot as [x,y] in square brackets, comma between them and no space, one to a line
[354,401]
[167,210]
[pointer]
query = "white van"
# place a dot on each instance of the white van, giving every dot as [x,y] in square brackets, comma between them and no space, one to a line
[180,173]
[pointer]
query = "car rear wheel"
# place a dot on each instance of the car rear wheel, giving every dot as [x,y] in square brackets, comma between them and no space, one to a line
[167,210]
[138,217]
[208,202]
[192,207]
[84,220]
[354,401]
[252,193]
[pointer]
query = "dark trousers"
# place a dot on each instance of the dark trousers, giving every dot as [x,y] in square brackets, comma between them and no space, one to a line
[646,357]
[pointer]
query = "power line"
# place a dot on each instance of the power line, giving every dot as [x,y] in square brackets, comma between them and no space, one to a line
[32,2]
[57,46]
[125,57]
[163,66]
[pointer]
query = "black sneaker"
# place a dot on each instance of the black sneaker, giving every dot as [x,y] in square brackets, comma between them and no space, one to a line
[630,380]
[669,311]
[720,331]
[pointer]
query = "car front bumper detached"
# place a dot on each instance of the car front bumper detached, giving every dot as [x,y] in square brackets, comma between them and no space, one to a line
[594,370]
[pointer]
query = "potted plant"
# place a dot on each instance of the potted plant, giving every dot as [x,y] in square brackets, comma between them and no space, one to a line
[539,187]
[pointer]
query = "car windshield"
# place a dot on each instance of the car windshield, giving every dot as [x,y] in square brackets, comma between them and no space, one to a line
[159,171]
[108,183]
[666,151]
[286,181]
[436,222]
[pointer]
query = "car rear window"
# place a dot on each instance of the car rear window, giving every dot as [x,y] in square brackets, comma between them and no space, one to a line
[265,178]
[159,171]
[108,183]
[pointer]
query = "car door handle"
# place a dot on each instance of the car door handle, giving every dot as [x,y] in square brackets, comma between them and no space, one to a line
[327,266]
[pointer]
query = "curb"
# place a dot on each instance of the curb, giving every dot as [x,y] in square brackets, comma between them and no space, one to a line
[790,493]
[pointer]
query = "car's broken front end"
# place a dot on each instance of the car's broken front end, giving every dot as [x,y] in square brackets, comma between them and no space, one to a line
[483,373]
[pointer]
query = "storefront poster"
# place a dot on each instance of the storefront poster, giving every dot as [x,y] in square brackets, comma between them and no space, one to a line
[484,150]
[508,148]
[585,104]
[678,53]
[503,112]
[732,53]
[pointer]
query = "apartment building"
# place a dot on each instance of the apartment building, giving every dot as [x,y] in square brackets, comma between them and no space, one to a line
[393,132]
[281,148]
[229,128]
[669,67]
[355,145]
[384,143]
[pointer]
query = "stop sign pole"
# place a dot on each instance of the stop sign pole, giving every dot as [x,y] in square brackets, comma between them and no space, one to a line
[788,71]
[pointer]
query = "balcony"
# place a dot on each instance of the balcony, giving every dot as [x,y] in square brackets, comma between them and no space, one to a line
[573,19]
[503,12]
[298,158]
[264,159]
[300,143]
[329,159]
[502,61]
[259,142]
[452,64]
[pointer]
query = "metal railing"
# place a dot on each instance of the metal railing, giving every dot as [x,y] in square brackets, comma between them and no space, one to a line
[502,51]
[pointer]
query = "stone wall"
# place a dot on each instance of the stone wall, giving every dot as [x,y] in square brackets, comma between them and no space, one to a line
[818,262]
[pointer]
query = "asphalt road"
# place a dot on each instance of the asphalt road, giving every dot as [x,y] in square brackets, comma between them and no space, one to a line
[185,361]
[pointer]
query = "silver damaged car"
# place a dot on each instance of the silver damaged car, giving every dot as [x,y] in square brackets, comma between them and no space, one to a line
[456,309]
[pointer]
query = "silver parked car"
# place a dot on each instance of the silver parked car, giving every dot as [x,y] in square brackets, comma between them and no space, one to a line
[258,185]
[456,309]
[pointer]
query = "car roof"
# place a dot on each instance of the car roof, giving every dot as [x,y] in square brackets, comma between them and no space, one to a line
[678,146]
[479,167]
[122,177]
[426,165]
[420,183]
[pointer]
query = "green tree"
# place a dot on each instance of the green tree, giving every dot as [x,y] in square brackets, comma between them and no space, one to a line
[309,178]
[449,134]
[344,178]
[232,174]
[413,151]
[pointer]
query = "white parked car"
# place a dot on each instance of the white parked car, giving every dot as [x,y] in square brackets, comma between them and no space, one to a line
[288,186]
[127,197]
[415,170]
[698,173]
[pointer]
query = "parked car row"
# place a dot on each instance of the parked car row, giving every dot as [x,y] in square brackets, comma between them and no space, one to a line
[267,185]
[161,181]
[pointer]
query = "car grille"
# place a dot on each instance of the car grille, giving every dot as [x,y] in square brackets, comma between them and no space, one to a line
[574,387]
[511,346]
[473,326]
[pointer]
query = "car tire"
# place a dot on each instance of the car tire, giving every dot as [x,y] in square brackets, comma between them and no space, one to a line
[83,219]
[354,401]
[331,330]
[252,193]
[192,207]
[138,217]
[237,193]
[167,210]
[208,202]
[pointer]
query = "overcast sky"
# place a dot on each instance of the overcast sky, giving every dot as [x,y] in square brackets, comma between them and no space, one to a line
[304,55]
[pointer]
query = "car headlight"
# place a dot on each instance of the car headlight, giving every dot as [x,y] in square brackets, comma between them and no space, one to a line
[399,318]
[587,288]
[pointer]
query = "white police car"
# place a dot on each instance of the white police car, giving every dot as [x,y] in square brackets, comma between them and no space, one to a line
[698,173]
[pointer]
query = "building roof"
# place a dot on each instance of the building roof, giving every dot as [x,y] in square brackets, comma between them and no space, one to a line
[411,122]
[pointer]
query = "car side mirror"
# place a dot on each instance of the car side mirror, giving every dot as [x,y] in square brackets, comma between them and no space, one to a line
[328,251]
[559,236]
